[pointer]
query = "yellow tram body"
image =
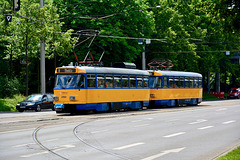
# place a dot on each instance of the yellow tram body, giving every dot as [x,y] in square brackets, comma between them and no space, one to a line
[102,89]
[105,97]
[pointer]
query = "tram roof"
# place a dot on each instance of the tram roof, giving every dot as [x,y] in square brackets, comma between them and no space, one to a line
[109,70]
[179,73]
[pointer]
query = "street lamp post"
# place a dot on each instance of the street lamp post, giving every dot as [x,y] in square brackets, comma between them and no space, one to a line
[140,41]
[42,60]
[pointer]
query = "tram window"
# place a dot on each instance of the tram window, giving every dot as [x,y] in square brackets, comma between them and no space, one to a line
[176,82]
[196,83]
[125,81]
[81,81]
[117,81]
[186,82]
[182,82]
[191,82]
[145,81]
[139,81]
[91,80]
[133,81]
[109,81]
[200,83]
[171,82]
[100,81]
[157,82]
[165,82]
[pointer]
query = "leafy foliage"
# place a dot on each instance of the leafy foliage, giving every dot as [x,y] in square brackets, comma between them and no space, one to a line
[189,33]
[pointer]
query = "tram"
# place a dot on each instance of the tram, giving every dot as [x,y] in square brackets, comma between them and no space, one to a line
[79,88]
[174,88]
[100,89]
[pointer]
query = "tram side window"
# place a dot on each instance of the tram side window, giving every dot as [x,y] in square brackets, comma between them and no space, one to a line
[196,83]
[109,81]
[117,81]
[171,82]
[125,81]
[81,81]
[91,80]
[145,81]
[157,82]
[176,82]
[139,81]
[133,81]
[100,81]
[191,82]
[187,82]
[200,83]
[181,82]
[165,82]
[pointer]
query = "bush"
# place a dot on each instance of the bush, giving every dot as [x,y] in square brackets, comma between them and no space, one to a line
[9,87]
[9,104]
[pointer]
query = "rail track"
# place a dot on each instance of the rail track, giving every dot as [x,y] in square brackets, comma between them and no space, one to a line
[80,138]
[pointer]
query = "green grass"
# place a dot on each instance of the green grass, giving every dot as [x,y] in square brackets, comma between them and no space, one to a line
[234,155]
[9,104]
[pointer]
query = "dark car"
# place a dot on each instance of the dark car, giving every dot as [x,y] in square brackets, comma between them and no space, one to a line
[234,93]
[36,102]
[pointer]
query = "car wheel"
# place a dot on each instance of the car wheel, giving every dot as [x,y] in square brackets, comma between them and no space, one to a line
[20,110]
[38,109]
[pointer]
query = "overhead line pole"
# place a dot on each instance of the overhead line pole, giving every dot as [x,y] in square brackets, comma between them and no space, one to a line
[42,60]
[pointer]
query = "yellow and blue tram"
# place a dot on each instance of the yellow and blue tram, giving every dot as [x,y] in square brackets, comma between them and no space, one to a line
[174,88]
[100,89]
[105,89]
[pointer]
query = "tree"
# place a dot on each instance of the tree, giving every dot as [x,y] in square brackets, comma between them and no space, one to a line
[31,24]
[111,18]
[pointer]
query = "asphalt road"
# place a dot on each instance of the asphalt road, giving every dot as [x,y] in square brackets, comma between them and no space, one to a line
[188,133]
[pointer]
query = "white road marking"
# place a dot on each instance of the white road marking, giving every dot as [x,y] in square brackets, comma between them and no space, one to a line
[198,121]
[137,121]
[173,135]
[20,130]
[142,125]
[62,147]
[141,120]
[221,109]
[34,154]
[229,122]
[164,153]
[172,120]
[100,131]
[129,146]
[207,127]
[22,145]
[149,118]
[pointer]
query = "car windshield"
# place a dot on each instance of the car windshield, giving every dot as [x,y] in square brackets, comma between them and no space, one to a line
[70,81]
[34,98]
[233,90]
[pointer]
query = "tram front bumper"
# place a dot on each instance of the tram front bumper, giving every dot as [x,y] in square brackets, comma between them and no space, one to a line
[59,107]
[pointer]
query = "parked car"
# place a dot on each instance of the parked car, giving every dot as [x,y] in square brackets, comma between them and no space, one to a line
[234,93]
[36,102]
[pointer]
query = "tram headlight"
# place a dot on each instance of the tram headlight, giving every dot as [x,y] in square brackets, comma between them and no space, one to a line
[72,98]
[55,98]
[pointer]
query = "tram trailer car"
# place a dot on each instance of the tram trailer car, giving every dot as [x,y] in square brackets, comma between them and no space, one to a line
[174,88]
[100,89]
[106,89]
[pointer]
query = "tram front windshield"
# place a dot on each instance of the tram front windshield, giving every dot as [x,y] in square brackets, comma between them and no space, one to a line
[70,81]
